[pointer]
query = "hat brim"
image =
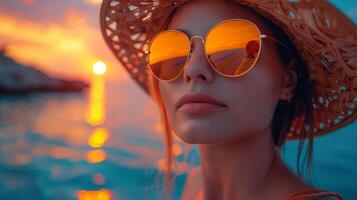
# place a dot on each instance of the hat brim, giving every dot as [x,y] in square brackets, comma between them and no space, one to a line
[324,36]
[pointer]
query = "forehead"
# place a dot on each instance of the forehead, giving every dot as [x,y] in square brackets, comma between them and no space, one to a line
[196,17]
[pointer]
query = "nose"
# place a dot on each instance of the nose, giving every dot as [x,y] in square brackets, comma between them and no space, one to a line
[197,66]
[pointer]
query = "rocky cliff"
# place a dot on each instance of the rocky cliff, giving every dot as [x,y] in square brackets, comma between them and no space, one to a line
[16,78]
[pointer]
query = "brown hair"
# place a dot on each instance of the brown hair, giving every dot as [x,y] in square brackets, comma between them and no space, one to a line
[284,115]
[301,103]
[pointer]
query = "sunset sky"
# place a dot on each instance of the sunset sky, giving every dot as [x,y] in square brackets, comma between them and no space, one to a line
[63,38]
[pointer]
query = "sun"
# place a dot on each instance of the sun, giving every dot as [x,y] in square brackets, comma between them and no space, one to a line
[95,2]
[99,68]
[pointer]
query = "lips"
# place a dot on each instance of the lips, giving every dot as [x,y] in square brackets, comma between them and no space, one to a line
[198,98]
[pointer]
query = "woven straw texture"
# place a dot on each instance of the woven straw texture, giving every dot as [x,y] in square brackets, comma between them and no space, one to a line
[324,36]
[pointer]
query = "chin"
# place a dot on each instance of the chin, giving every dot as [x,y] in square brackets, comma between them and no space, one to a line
[204,137]
[187,137]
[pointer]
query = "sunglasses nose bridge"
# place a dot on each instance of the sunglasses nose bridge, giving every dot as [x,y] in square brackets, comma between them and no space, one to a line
[192,45]
[195,68]
[197,36]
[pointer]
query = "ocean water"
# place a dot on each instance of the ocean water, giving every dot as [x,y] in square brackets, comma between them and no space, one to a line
[107,144]
[104,145]
[100,144]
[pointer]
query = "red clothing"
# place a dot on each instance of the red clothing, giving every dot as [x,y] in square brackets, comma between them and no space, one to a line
[193,190]
[302,195]
[316,193]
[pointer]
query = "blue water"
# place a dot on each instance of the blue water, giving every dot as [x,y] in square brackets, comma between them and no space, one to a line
[44,148]
[45,151]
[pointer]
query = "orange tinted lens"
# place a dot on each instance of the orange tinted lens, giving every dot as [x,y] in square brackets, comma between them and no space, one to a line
[168,54]
[233,47]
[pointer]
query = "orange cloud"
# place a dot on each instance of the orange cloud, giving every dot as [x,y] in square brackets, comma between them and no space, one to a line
[74,18]
[61,50]
[28,2]
[94,2]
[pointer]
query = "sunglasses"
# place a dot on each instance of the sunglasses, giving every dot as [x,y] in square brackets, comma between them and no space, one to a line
[232,48]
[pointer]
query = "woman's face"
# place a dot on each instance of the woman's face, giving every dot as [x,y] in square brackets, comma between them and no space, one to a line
[250,99]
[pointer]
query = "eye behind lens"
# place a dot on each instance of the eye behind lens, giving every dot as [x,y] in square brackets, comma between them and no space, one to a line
[168,54]
[233,47]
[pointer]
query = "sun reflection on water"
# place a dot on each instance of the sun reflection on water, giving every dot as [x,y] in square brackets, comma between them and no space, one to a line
[102,194]
[96,140]
[96,156]
[96,113]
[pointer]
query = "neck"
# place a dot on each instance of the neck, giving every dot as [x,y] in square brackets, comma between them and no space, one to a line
[237,170]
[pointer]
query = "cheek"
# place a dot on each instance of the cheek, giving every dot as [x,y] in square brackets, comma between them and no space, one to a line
[167,96]
[252,102]
[254,105]
[257,94]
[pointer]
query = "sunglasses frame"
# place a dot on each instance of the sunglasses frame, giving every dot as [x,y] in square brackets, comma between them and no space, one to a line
[203,40]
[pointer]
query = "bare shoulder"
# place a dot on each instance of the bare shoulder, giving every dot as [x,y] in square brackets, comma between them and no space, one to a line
[193,185]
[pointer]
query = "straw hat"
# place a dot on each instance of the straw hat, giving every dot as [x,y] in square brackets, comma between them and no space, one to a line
[325,38]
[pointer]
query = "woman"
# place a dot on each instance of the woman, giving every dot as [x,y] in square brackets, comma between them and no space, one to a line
[186,53]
